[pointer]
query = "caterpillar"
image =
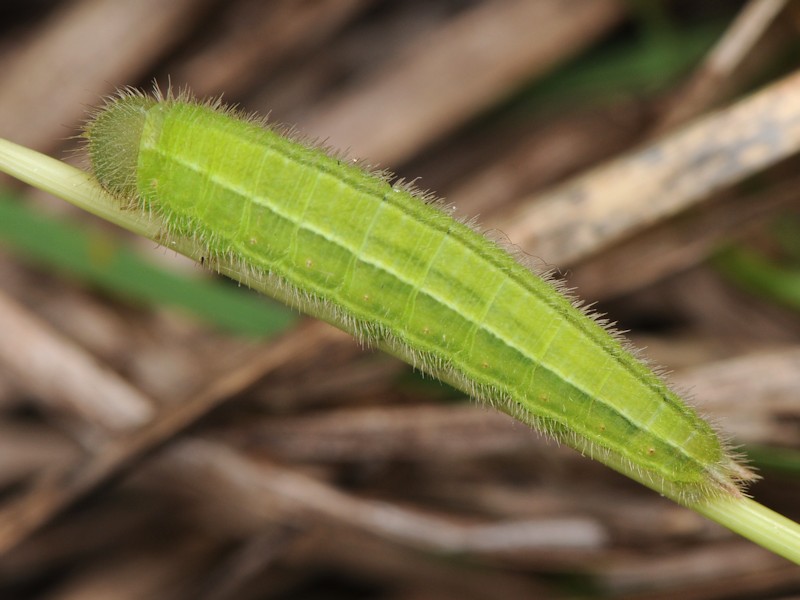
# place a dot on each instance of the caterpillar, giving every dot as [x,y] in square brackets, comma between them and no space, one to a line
[389,265]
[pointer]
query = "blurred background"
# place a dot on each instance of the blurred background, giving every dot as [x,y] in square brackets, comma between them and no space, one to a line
[167,434]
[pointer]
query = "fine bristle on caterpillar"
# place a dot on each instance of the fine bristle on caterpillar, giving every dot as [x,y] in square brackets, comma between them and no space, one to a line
[391,267]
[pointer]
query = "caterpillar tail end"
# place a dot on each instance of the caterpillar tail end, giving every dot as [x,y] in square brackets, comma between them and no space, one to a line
[733,475]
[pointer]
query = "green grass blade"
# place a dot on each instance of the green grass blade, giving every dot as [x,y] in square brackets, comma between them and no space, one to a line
[754,273]
[98,259]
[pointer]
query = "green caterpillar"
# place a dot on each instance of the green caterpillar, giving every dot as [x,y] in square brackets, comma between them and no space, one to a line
[390,266]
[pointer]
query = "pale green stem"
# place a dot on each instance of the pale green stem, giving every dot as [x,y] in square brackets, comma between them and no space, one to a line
[73,185]
[756,522]
[739,514]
